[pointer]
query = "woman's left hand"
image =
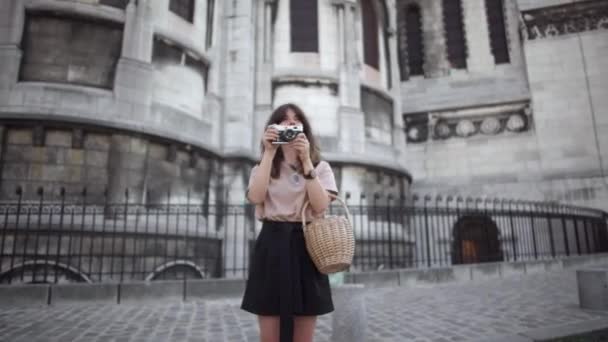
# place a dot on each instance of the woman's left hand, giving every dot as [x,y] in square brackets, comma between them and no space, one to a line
[302,146]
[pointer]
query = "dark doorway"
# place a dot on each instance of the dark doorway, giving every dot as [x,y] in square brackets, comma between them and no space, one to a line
[476,239]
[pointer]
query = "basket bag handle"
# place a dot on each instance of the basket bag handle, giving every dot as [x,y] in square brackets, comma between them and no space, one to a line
[331,196]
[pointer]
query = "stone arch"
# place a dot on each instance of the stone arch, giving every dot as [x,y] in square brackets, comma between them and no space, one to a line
[476,239]
[66,272]
[182,266]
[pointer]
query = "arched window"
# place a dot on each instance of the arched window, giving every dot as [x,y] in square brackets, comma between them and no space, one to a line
[498,35]
[454,33]
[370,34]
[415,46]
[304,26]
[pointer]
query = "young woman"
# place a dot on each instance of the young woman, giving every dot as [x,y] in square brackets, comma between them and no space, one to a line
[284,288]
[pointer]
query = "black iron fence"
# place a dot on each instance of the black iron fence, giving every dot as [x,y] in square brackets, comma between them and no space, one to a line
[76,241]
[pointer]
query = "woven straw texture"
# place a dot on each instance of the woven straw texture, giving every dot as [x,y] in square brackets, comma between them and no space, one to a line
[330,241]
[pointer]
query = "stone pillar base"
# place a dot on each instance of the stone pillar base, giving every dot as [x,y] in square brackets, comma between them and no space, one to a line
[593,287]
[350,317]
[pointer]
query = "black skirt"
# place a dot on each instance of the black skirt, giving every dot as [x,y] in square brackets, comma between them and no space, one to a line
[283,281]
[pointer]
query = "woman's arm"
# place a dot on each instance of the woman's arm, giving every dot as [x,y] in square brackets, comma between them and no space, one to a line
[317,195]
[315,189]
[259,183]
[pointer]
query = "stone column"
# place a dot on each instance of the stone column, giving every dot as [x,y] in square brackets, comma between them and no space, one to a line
[264,69]
[349,323]
[512,25]
[435,45]
[134,73]
[480,56]
[16,9]
[129,47]
[268,6]
[12,19]
[341,42]
[351,123]
[352,65]
[398,127]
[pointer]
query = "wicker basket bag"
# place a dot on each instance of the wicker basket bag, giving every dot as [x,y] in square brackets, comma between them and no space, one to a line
[330,240]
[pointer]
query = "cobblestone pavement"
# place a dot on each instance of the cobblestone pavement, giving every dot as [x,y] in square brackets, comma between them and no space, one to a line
[457,312]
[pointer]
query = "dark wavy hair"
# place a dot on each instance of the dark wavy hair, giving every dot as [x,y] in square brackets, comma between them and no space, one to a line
[277,117]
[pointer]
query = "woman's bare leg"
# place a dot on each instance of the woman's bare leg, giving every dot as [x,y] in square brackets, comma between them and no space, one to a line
[304,328]
[269,328]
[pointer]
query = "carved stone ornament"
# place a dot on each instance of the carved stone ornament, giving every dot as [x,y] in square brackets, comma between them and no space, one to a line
[465,128]
[565,19]
[443,130]
[490,126]
[516,123]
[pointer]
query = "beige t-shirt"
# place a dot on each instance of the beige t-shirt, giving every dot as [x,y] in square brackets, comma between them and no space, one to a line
[286,195]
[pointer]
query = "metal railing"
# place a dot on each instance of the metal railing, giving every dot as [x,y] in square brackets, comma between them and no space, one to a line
[56,241]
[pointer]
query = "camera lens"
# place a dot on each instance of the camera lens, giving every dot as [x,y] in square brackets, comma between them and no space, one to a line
[290,134]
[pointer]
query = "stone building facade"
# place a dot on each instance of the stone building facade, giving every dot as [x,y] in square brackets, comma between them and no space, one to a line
[168,98]
[521,113]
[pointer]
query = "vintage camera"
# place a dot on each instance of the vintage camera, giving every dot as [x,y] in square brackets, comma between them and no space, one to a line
[287,133]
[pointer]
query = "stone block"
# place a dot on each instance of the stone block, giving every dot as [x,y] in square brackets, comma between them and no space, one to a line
[97,142]
[96,174]
[593,287]
[214,288]
[24,295]
[74,157]
[75,293]
[96,158]
[54,155]
[15,171]
[58,138]
[139,146]
[154,291]
[20,137]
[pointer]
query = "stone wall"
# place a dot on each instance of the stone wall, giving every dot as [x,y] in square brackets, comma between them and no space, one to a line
[154,171]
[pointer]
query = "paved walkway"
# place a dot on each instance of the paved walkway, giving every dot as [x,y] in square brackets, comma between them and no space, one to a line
[464,312]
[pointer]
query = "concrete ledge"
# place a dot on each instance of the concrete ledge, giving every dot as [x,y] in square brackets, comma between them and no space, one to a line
[66,293]
[553,265]
[376,279]
[428,277]
[510,269]
[597,326]
[542,266]
[593,330]
[157,290]
[214,288]
[178,290]
[505,338]
[24,295]
[580,261]
[486,271]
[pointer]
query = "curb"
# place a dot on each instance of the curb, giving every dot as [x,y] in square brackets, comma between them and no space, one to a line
[596,328]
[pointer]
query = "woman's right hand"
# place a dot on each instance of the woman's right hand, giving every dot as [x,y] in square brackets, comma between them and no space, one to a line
[270,135]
